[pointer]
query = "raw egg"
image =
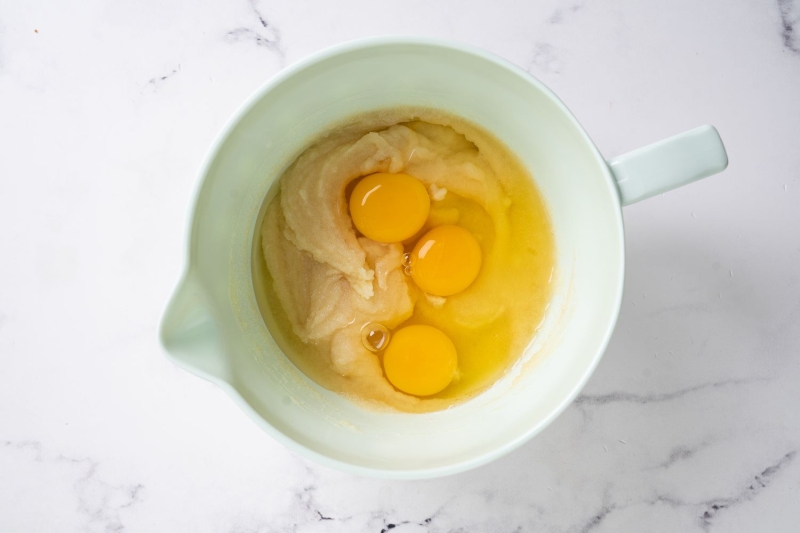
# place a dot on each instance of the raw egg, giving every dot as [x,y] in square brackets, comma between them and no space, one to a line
[389,207]
[446,260]
[420,360]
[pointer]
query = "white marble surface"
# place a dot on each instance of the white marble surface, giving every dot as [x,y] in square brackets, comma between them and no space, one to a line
[691,422]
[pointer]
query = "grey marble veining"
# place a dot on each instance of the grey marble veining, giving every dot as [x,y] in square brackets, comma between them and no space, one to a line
[643,399]
[159,80]
[263,33]
[690,423]
[99,504]
[790,19]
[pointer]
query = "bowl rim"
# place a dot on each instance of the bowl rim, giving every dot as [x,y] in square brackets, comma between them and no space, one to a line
[211,154]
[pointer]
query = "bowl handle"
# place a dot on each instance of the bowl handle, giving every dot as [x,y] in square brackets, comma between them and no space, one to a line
[668,164]
[190,334]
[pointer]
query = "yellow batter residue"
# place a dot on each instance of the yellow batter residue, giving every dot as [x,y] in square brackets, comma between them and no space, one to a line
[327,280]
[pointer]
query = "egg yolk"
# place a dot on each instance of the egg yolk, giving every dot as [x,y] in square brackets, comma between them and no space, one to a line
[446,260]
[389,207]
[420,360]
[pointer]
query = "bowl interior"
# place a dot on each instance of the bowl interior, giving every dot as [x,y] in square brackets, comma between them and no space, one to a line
[276,125]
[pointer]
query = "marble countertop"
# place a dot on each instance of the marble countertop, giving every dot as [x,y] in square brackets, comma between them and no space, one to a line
[691,422]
